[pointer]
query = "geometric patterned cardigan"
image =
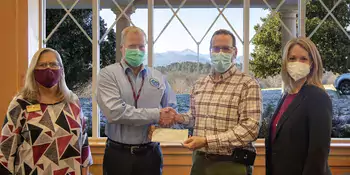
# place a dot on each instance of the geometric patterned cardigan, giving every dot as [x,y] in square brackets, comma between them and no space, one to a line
[50,140]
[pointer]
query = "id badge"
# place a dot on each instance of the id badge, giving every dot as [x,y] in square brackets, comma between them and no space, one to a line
[33,108]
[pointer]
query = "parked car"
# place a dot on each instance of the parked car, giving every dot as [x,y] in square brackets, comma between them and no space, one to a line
[342,83]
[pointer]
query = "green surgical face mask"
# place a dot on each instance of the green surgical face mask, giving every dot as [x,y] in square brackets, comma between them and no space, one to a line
[221,61]
[134,57]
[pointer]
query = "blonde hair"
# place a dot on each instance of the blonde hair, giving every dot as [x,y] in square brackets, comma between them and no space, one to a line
[30,91]
[316,72]
[131,29]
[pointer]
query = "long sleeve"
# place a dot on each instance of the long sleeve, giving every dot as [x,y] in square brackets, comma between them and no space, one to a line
[189,117]
[115,109]
[10,137]
[86,158]
[320,127]
[247,129]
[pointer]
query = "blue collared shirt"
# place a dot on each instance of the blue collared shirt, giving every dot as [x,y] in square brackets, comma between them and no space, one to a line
[127,124]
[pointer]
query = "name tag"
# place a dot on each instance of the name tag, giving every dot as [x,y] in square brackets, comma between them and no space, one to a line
[33,108]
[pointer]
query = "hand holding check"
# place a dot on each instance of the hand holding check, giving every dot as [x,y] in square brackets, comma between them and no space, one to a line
[169,117]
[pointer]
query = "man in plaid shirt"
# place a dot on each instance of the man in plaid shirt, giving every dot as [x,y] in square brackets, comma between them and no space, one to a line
[225,112]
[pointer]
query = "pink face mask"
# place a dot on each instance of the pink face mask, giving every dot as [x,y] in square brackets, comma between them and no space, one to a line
[47,77]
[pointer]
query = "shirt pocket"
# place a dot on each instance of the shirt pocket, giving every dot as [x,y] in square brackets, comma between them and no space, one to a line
[224,104]
[151,96]
[229,109]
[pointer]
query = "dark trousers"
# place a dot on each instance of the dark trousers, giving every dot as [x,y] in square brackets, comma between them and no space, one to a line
[204,166]
[124,161]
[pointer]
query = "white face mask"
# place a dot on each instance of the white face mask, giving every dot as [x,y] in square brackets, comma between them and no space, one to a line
[298,70]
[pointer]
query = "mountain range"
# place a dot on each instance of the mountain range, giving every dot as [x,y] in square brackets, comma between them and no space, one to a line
[166,58]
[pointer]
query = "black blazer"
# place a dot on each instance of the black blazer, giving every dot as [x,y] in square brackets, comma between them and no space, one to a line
[303,135]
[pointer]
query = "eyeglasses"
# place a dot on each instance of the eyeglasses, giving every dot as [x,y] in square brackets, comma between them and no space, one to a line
[53,65]
[225,49]
[140,47]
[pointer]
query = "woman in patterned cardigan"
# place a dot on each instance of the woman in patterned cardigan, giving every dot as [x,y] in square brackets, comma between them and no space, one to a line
[44,128]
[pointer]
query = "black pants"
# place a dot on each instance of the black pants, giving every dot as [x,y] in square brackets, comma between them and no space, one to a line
[122,161]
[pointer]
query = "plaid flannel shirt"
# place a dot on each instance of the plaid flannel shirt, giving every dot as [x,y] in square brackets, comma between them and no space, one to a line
[227,112]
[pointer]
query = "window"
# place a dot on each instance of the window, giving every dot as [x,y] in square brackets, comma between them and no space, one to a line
[71,36]
[181,45]
[329,36]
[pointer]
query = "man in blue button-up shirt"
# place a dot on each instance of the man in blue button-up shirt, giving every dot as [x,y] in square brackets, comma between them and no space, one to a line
[133,97]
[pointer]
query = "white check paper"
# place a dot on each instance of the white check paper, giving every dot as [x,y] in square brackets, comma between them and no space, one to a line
[167,135]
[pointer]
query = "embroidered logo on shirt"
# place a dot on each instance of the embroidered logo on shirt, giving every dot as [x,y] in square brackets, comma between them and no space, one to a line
[154,82]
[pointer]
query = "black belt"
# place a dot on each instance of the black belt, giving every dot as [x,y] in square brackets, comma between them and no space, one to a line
[132,148]
[215,157]
[239,155]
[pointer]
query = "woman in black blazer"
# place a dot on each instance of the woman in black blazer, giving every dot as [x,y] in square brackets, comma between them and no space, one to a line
[300,130]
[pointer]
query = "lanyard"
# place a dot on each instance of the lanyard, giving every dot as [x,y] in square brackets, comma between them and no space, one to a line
[136,97]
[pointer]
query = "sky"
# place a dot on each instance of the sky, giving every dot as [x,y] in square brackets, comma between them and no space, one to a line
[197,20]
